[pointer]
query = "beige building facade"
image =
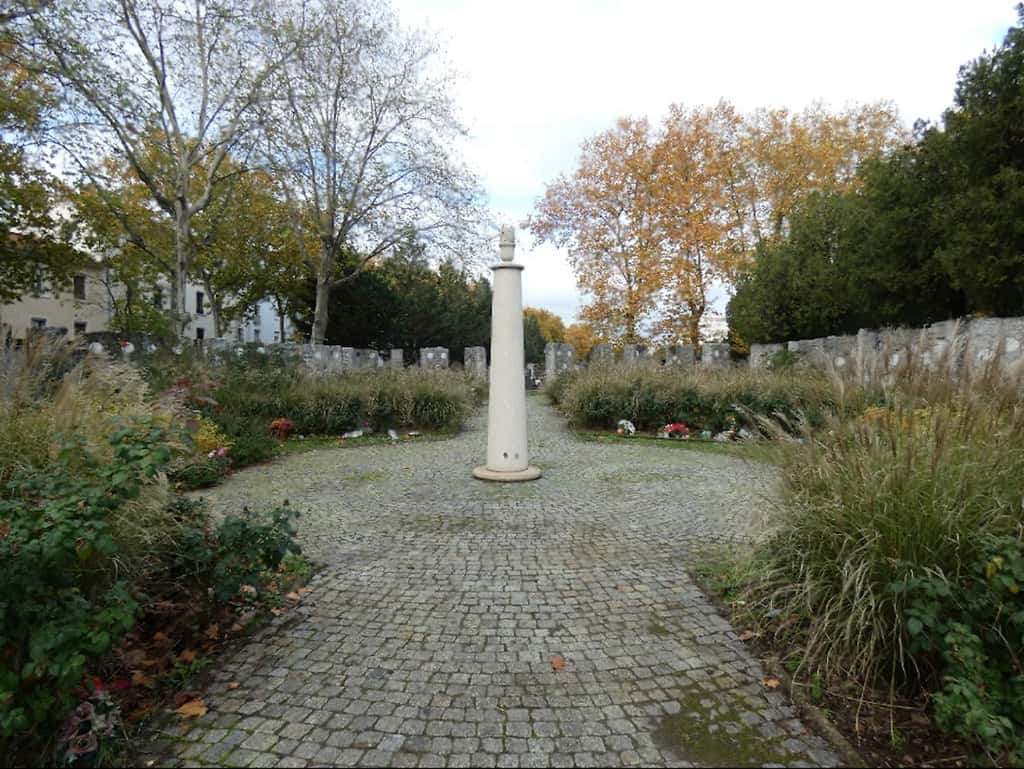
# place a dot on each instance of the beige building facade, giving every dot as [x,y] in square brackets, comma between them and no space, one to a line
[86,306]
[79,308]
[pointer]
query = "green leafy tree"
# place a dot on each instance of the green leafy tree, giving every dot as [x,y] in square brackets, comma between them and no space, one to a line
[981,216]
[533,339]
[35,245]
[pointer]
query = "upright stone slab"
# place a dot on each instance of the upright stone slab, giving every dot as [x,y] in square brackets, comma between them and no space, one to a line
[434,357]
[682,355]
[714,355]
[396,359]
[475,359]
[558,358]
[761,353]
[602,354]
[364,359]
[630,355]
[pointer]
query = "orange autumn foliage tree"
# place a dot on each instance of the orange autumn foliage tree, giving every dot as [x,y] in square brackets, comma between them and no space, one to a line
[605,214]
[551,326]
[783,155]
[583,338]
[652,219]
[699,237]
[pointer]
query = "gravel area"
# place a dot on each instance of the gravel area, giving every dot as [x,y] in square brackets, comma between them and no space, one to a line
[429,636]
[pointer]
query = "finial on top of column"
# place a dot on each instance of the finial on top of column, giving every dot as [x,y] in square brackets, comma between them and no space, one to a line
[507,243]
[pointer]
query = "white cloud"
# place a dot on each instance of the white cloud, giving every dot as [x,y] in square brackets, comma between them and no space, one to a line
[539,77]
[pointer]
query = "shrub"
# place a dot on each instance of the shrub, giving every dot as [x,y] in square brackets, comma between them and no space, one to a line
[64,601]
[198,472]
[968,633]
[556,386]
[885,511]
[251,546]
[704,400]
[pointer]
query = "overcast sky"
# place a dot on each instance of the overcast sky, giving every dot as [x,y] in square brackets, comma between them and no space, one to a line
[539,76]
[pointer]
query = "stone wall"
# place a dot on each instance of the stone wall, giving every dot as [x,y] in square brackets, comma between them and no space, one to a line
[952,343]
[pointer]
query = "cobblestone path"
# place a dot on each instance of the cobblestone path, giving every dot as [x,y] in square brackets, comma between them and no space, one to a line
[429,635]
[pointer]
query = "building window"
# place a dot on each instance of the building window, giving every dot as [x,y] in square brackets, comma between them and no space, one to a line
[80,327]
[241,334]
[38,322]
[199,303]
[200,332]
[256,334]
[38,287]
[80,287]
[158,298]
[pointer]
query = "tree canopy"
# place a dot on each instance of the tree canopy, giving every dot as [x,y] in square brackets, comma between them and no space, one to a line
[929,232]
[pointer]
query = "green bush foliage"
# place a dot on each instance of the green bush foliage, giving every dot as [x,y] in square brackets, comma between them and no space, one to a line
[88,529]
[968,633]
[703,400]
[64,603]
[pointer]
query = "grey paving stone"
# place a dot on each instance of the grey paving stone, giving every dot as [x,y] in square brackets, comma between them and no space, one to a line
[428,636]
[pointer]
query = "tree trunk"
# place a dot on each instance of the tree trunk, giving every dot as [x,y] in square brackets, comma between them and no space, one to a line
[695,330]
[323,294]
[179,316]
[280,318]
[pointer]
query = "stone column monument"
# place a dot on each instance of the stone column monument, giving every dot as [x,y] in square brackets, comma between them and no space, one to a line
[507,456]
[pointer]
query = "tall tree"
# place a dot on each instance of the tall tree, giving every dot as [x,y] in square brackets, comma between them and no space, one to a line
[363,137]
[700,243]
[582,337]
[781,156]
[171,87]
[606,215]
[981,213]
[551,326]
[35,243]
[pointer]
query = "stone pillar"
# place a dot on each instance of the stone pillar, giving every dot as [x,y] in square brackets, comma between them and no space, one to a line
[475,361]
[602,354]
[507,456]
[397,358]
[714,355]
[433,357]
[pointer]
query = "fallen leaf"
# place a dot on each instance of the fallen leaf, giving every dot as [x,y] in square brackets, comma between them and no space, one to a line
[187,656]
[746,635]
[160,638]
[233,685]
[141,679]
[771,683]
[213,631]
[293,596]
[557,662]
[305,589]
[276,612]
[236,628]
[192,709]
[180,698]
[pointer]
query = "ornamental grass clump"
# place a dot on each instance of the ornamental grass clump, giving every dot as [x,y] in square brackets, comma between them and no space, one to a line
[886,510]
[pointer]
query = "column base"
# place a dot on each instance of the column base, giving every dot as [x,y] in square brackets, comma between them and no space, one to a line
[484,473]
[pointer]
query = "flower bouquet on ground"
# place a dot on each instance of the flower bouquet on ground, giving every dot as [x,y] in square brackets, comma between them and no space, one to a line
[677,430]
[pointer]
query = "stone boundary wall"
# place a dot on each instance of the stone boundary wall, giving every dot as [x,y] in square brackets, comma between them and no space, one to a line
[970,342]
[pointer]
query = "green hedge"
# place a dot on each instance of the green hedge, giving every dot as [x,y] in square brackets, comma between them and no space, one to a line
[331,404]
[704,400]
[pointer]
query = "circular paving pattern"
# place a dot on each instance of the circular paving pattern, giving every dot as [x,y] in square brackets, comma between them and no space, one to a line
[442,602]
